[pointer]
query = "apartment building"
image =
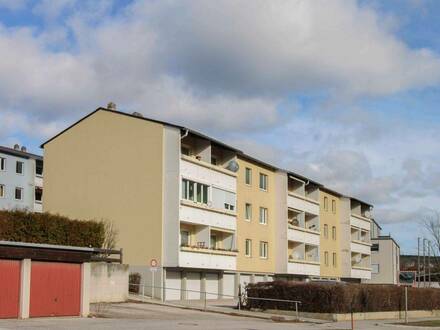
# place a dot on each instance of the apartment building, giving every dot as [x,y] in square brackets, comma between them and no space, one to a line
[385,257]
[21,179]
[211,216]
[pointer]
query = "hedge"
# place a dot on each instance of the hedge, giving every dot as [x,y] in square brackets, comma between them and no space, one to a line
[341,297]
[45,228]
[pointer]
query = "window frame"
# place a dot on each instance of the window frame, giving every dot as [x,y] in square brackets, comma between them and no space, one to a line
[372,269]
[21,194]
[334,259]
[325,231]
[3,167]
[326,261]
[38,201]
[334,233]
[264,247]
[186,191]
[248,175]
[189,236]
[248,212]
[3,190]
[248,248]
[22,167]
[265,182]
[325,203]
[333,206]
[263,211]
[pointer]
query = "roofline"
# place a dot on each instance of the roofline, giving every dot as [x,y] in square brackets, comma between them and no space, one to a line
[46,246]
[377,223]
[360,201]
[19,153]
[386,237]
[253,159]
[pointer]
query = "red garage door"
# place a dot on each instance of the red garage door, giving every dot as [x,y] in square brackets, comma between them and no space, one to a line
[55,289]
[9,288]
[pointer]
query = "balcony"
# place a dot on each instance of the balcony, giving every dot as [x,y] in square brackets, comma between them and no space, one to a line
[302,203]
[360,265]
[303,258]
[205,216]
[360,222]
[360,241]
[207,247]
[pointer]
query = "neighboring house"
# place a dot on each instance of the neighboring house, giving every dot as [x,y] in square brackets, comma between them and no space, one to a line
[385,257]
[21,179]
[211,215]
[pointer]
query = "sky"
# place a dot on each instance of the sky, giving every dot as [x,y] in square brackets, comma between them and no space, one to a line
[344,92]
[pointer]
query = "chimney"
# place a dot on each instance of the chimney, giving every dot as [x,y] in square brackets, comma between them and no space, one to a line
[111,106]
[16,146]
[23,149]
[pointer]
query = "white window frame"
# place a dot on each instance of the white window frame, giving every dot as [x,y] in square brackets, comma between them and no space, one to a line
[264,249]
[373,271]
[189,236]
[2,191]
[263,215]
[248,248]
[38,201]
[2,161]
[246,171]
[22,167]
[21,194]
[263,183]
[248,212]
[196,188]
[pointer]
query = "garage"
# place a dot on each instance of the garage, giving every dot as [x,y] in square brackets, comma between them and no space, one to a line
[228,285]
[55,289]
[173,285]
[9,288]
[193,285]
[211,286]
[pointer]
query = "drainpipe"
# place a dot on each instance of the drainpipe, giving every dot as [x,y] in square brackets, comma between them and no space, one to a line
[185,135]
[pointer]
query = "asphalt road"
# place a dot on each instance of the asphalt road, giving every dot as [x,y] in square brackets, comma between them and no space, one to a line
[146,316]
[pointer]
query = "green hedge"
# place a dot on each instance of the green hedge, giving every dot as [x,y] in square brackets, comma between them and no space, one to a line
[341,297]
[45,228]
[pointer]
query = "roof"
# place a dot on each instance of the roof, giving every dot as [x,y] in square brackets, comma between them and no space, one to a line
[19,153]
[201,135]
[384,238]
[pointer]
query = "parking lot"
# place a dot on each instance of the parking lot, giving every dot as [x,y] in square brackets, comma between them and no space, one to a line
[148,316]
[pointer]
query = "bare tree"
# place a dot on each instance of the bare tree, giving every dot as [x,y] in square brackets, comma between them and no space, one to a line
[110,235]
[431,222]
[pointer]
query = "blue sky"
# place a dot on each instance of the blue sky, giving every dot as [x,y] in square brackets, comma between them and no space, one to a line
[345,92]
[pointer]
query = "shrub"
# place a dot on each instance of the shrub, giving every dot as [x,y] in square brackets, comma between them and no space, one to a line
[341,297]
[45,228]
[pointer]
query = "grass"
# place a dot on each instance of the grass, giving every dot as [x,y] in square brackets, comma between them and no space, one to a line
[427,323]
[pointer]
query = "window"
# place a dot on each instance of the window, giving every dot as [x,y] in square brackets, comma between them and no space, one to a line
[213,241]
[19,193]
[326,203]
[263,181]
[2,190]
[196,192]
[263,250]
[185,238]
[19,167]
[333,206]
[374,268]
[375,247]
[263,215]
[248,212]
[326,258]
[38,194]
[2,164]
[39,167]
[334,233]
[248,248]
[325,231]
[334,259]
[248,176]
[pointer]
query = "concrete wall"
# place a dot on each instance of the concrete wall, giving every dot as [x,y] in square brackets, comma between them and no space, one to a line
[110,166]
[281,244]
[108,282]
[388,260]
[345,237]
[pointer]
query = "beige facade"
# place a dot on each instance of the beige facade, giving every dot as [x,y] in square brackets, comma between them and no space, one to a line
[250,226]
[330,247]
[102,169]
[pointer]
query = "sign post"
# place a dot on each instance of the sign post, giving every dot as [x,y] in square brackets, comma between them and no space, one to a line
[153,268]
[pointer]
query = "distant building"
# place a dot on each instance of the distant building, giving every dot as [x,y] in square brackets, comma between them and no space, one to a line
[21,179]
[385,257]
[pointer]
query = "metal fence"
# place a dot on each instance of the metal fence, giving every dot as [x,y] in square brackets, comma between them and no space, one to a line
[206,300]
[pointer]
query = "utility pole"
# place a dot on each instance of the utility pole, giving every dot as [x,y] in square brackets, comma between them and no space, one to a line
[418,262]
[429,263]
[424,263]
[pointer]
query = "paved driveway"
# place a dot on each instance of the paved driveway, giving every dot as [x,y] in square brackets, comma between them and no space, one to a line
[146,316]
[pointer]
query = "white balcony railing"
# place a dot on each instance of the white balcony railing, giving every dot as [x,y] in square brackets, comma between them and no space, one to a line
[361,272]
[303,235]
[303,204]
[303,267]
[360,222]
[199,171]
[207,217]
[207,258]
[360,247]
